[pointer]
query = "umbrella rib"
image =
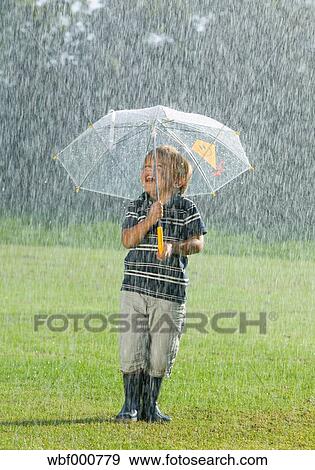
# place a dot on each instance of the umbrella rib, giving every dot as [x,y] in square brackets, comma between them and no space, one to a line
[105,193]
[172,134]
[75,183]
[119,126]
[125,137]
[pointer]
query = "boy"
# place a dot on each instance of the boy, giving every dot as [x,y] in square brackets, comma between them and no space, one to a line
[153,292]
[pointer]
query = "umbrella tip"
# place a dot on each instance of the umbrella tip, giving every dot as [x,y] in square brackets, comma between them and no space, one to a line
[77,189]
[252,167]
[213,194]
[55,157]
[90,124]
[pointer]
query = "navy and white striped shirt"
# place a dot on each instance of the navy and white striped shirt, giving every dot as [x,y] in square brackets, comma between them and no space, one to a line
[144,273]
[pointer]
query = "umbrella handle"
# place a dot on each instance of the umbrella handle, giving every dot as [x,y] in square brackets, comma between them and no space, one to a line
[160,239]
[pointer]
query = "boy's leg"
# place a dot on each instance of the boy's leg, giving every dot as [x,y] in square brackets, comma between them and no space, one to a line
[166,323]
[133,339]
[133,352]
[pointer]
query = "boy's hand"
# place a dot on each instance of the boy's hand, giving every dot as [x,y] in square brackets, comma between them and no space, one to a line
[155,213]
[167,252]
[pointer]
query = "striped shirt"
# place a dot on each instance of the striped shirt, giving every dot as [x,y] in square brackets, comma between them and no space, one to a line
[144,273]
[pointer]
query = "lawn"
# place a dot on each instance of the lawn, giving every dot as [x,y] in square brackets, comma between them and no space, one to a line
[60,390]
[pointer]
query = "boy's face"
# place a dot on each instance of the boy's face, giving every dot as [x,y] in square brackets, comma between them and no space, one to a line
[148,179]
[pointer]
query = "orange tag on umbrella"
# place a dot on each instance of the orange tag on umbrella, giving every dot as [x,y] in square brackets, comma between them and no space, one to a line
[206,151]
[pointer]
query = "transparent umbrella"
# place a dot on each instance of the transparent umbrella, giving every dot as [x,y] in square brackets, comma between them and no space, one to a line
[107,158]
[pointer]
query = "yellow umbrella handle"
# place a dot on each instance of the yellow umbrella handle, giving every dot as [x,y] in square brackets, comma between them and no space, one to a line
[160,239]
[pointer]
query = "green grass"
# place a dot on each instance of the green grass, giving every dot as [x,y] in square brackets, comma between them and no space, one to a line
[60,390]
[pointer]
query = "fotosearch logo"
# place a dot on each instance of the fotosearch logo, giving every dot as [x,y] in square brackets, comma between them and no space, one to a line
[222,322]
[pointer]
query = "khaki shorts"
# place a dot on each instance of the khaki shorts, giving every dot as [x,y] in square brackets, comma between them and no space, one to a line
[151,332]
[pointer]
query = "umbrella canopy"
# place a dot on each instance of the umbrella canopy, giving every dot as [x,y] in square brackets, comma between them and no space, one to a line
[107,158]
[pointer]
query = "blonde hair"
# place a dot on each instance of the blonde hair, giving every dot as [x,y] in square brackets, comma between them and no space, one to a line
[180,170]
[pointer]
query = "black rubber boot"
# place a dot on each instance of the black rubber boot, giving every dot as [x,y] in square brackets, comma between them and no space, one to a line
[129,411]
[152,390]
[142,402]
